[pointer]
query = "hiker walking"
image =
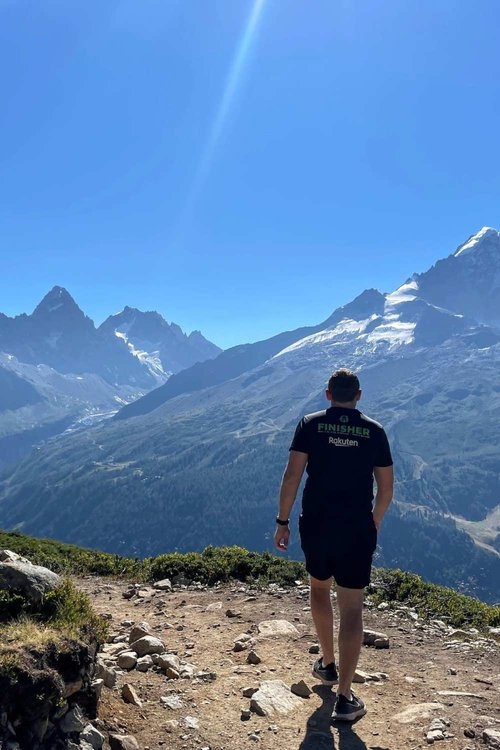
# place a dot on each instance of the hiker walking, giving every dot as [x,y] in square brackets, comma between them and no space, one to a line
[342,451]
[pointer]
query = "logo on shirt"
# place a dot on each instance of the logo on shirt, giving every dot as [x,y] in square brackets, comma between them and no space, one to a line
[344,429]
[343,442]
[344,418]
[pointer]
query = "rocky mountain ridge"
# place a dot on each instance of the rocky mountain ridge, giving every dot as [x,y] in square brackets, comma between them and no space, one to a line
[58,371]
[212,445]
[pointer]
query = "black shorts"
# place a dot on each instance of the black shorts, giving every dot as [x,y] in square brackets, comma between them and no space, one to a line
[342,548]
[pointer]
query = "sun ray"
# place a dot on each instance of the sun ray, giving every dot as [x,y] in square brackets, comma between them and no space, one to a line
[230,89]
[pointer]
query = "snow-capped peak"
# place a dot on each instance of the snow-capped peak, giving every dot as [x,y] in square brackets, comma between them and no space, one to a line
[476,239]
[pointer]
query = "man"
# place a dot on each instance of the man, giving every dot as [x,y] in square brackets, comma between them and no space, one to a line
[342,450]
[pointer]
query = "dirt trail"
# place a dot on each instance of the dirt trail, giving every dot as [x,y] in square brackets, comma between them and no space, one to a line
[420,662]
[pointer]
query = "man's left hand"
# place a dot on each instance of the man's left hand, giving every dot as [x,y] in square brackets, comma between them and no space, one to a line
[281,537]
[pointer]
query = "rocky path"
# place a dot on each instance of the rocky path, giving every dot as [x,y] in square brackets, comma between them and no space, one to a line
[432,685]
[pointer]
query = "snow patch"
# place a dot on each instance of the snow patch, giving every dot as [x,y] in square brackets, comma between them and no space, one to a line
[151,360]
[471,243]
[405,293]
[346,328]
[394,332]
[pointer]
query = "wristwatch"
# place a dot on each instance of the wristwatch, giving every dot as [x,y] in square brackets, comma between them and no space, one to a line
[282,523]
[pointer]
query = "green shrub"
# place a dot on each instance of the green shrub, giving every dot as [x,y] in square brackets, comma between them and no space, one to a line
[69,558]
[66,609]
[431,600]
[221,564]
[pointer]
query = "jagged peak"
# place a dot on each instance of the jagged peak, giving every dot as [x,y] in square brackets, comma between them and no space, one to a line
[129,312]
[57,299]
[475,240]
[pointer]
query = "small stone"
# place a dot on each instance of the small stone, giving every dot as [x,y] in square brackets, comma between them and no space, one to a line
[93,736]
[170,725]
[96,687]
[144,663]
[314,649]
[123,742]
[164,585]
[129,695]
[438,724]
[370,636]
[127,660]
[273,697]
[206,676]
[172,673]
[434,735]
[249,691]
[277,627]
[245,714]
[70,688]
[192,722]
[470,733]
[73,721]
[253,658]
[232,613]
[301,689]
[492,738]
[108,675]
[171,701]
[140,630]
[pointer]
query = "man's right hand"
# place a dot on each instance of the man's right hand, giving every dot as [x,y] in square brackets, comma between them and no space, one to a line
[281,537]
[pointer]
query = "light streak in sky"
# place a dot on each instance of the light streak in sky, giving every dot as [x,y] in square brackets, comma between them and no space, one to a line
[230,89]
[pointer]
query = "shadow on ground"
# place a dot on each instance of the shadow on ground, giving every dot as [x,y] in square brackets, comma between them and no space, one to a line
[323,734]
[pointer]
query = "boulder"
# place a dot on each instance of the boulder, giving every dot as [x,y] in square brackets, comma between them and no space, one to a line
[33,581]
[148,645]
[6,555]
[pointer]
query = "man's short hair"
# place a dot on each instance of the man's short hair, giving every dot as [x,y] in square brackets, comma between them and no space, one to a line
[343,385]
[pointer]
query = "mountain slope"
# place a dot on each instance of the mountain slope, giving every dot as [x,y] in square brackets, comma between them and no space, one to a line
[190,472]
[162,347]
[58,371]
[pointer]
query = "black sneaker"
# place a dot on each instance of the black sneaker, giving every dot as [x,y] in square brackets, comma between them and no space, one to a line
[328,675]
[348,710]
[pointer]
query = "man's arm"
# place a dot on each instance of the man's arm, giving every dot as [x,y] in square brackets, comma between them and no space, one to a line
[384,476]
[290,481]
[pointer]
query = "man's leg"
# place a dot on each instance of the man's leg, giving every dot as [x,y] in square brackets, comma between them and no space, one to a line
[350,604]
[322,614]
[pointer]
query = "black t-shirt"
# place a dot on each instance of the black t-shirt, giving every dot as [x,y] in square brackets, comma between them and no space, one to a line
[343,446]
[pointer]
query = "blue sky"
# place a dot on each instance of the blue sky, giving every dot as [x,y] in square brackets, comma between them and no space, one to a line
[153,155]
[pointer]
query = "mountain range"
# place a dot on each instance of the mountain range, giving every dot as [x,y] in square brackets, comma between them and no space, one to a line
[58,371]
[198,460]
